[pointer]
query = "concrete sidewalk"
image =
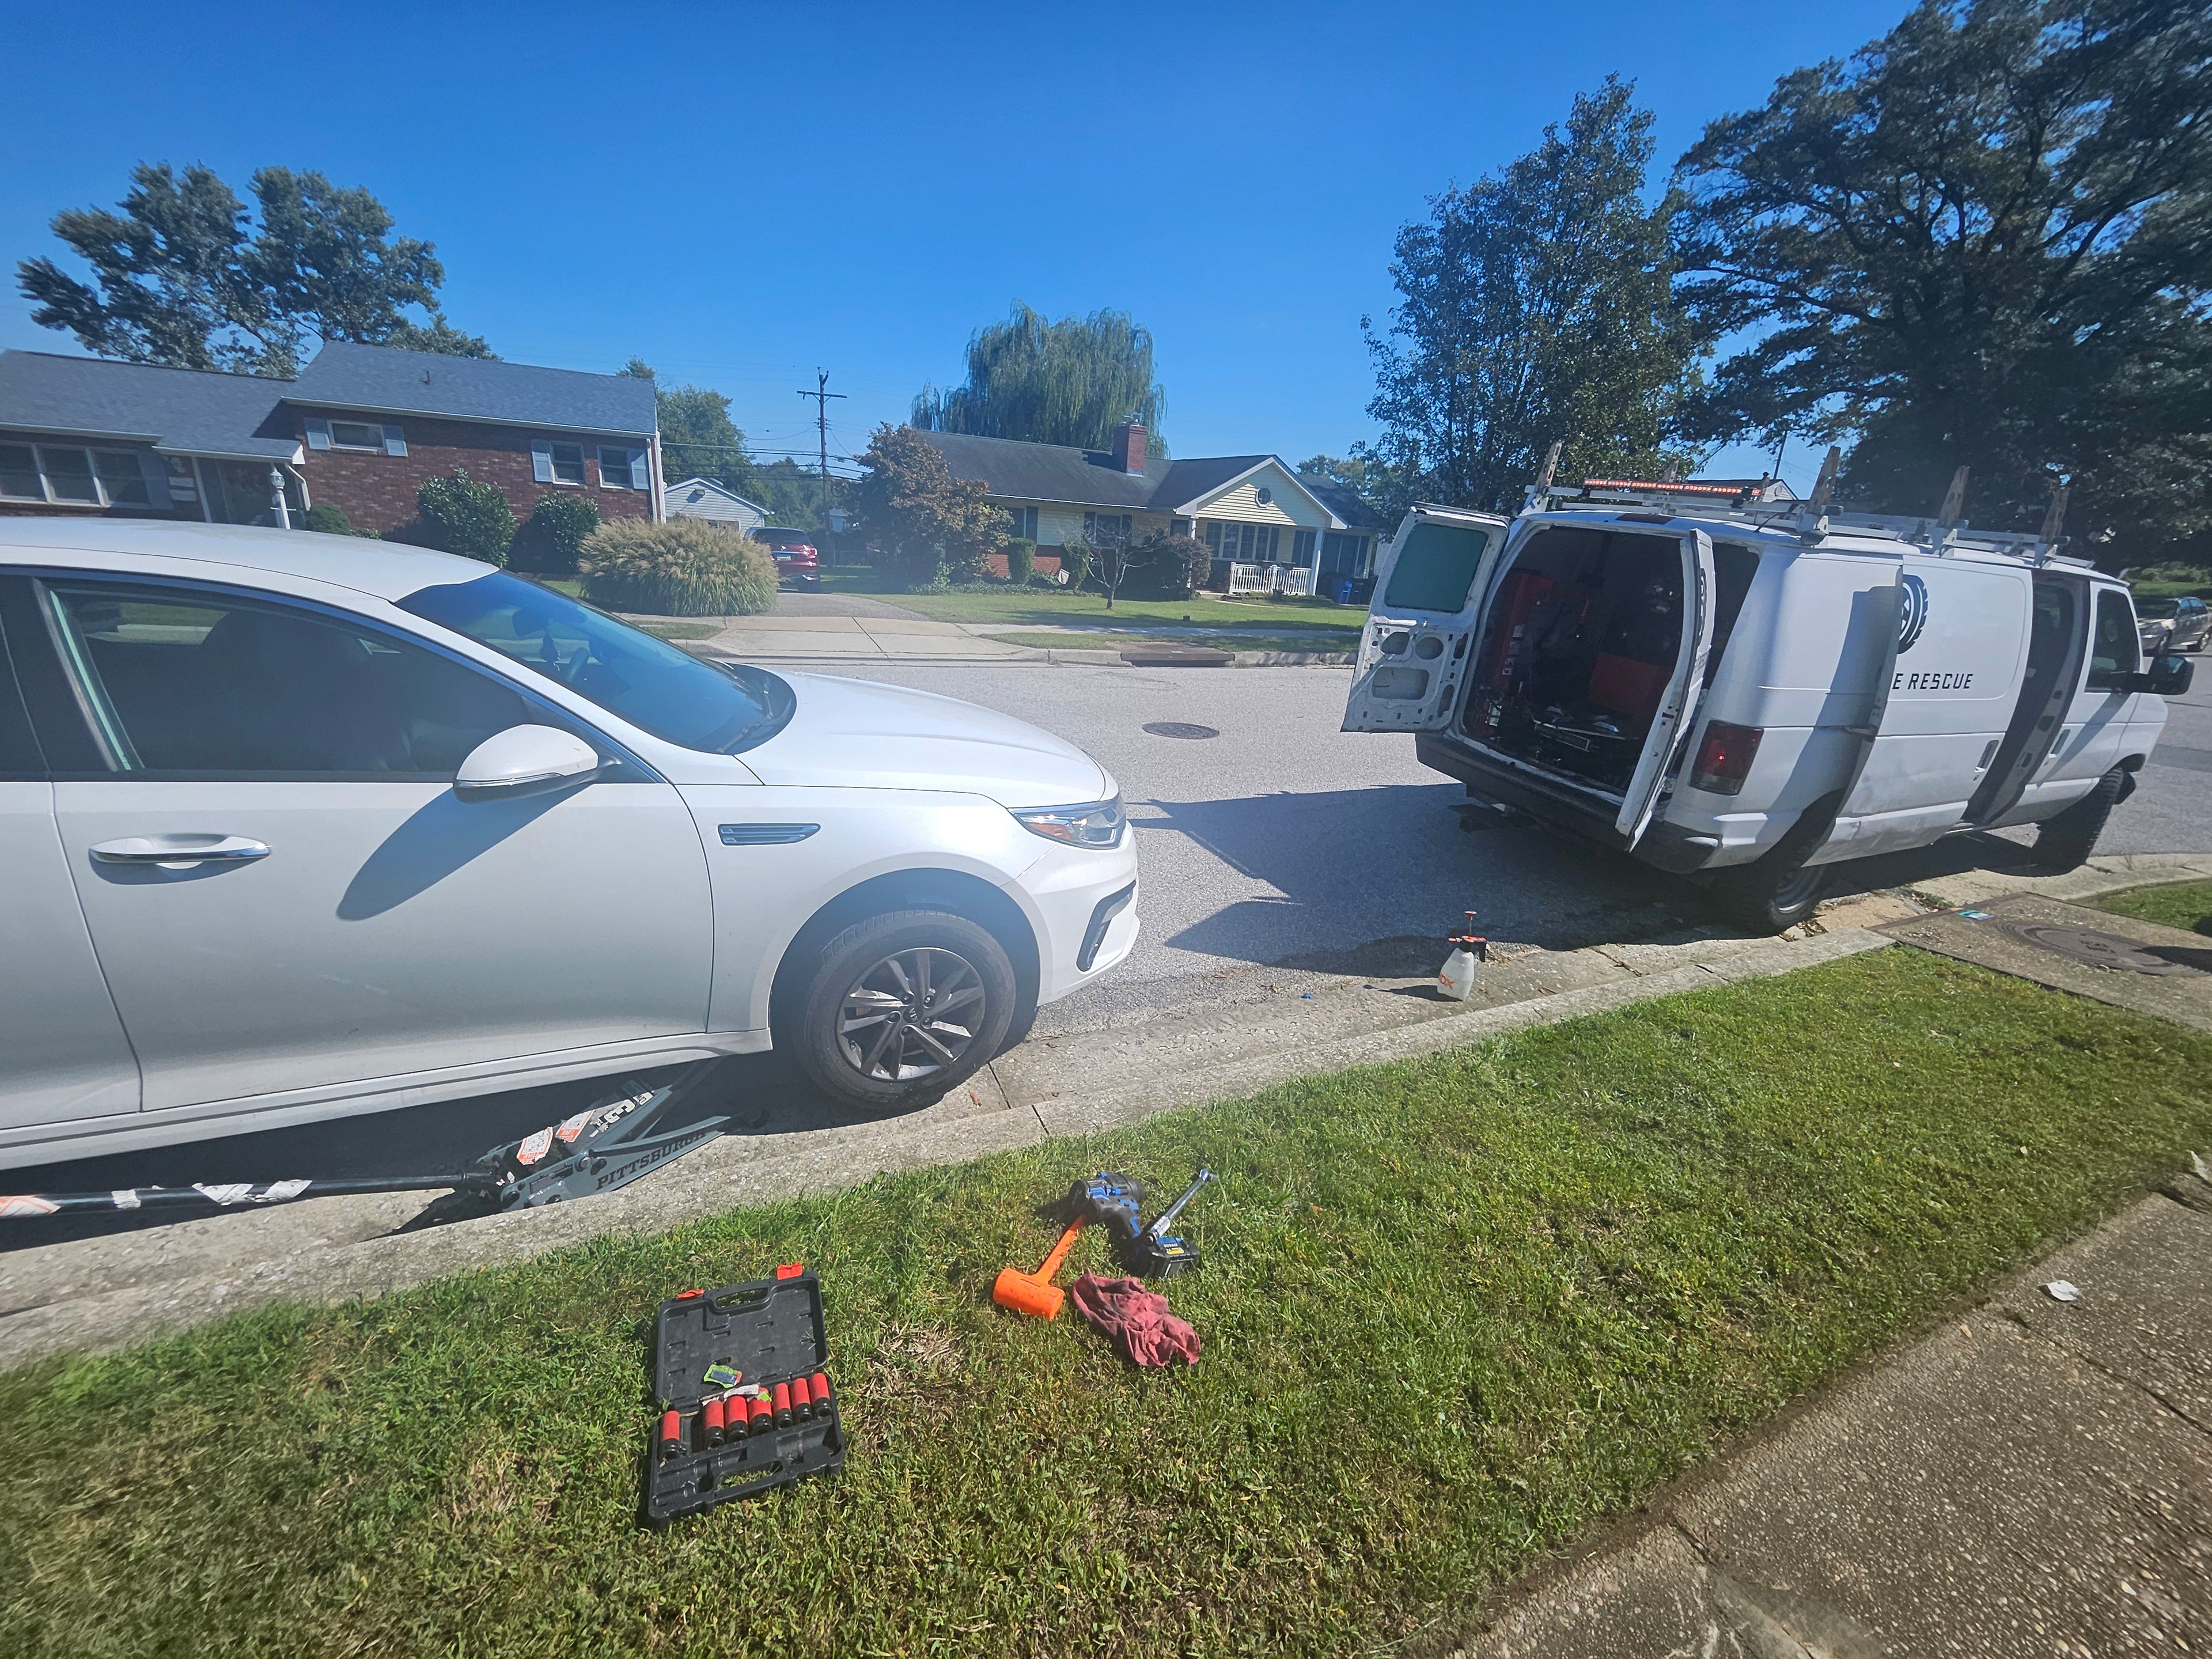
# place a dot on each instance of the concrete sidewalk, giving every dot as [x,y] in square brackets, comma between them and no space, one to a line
[2035,1478]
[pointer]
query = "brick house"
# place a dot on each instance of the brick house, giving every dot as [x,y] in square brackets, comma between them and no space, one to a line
[360,429]
[1249,509]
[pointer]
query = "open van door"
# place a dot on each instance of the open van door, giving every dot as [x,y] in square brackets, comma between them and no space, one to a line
[1671,724]
[1429,581]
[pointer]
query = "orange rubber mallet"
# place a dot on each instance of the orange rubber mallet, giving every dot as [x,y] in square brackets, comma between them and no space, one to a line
[1035,1294]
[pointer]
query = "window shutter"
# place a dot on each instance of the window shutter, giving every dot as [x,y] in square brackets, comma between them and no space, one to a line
[541,459]
[639,478]
[395,441]
[319,432]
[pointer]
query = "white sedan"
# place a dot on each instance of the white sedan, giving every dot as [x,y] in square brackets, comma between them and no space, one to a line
[293,826]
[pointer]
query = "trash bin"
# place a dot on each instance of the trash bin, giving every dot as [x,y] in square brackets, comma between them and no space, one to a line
[1337,589]
[1363,590]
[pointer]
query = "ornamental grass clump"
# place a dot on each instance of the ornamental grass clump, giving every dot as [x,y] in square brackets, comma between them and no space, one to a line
[681,567]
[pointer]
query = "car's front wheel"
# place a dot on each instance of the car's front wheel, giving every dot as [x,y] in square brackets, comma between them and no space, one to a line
[901,1008]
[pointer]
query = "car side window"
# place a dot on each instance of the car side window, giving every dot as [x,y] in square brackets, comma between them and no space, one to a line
[2113,650]
[202,682]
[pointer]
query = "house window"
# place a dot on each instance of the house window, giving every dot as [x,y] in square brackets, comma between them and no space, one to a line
[1106,529]
[64,472]
[1244,543]
[1021,521]
[614,466]
[1342,554]
[19,473]
[568,464]
[1301,547]
[356,435]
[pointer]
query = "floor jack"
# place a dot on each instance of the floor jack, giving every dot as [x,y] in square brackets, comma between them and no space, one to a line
[606,1145]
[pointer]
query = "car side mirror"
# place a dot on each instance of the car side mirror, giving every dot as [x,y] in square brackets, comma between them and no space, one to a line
[2169,675]
[524,760]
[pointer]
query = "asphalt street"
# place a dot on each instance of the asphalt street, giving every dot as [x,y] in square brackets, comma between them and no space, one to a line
[1281,843]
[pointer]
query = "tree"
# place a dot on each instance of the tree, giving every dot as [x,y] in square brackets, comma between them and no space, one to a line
[1069,382]
[1985,240]
[182,276]
[1534,305]
[925,523]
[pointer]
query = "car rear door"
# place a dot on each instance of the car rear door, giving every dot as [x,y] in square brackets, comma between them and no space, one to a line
[330,913]
[1430,580]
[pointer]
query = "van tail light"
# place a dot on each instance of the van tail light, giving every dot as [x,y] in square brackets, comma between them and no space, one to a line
[1725,757]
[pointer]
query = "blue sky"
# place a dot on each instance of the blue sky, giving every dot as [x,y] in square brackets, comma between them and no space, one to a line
[741,193]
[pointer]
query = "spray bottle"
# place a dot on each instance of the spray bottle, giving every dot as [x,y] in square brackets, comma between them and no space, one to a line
[1455,979]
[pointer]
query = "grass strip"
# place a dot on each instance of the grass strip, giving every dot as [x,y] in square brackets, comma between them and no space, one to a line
[1038,606]
[1121,641]
[1456,1311]
[2183,904]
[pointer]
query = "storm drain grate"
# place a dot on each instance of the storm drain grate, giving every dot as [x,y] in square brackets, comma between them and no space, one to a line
[2085,945]
[1178,729]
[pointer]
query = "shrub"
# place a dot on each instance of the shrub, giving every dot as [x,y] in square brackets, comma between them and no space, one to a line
[329,521]
[1021,560]
[2171,573]
[549,541]
[682,568]
[1164,566]
[461,516]
[1075,560]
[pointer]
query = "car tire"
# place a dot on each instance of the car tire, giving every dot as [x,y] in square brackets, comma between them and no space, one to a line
[900,1008]
[1777,893]
[2065,843]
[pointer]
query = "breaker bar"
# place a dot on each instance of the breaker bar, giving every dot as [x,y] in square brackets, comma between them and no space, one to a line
[606,1145]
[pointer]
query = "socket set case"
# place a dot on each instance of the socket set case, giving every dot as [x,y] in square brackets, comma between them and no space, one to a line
[769,1331]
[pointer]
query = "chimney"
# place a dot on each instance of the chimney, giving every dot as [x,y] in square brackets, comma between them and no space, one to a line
[1129,446]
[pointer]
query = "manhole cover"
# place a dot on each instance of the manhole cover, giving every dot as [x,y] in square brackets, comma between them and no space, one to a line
[1178,729]
[2098,950]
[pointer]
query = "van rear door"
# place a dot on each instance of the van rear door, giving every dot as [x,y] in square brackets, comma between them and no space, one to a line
[1662,747]
[1429,581]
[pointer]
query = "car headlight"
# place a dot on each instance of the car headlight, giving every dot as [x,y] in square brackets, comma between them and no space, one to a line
[1098,824]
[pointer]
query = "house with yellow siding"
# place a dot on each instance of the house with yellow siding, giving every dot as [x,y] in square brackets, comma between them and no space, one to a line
[1249,509]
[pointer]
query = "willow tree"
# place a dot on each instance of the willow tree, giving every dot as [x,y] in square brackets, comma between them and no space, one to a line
[1069,382]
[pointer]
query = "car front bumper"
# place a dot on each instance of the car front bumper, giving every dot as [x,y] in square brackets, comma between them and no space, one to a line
[1065,892]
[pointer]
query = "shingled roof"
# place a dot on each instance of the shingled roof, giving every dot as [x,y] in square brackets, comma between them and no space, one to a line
[385,381]
[1015,470]
[181,411]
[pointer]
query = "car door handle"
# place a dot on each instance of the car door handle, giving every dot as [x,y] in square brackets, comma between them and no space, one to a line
[181,852]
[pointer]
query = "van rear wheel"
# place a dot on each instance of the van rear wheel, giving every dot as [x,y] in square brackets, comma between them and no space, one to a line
[1780,890]
[2065,843]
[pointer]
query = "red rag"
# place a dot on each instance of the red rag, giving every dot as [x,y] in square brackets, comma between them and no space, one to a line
[1136,1318]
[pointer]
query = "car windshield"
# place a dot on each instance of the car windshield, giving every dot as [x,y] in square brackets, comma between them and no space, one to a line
[2157,608]
[627,672]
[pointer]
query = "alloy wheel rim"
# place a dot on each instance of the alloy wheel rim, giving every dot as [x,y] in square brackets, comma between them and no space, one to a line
[914,1014]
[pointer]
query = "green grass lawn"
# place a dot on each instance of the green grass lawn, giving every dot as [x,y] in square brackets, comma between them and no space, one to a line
[2184,904]
[668,629]
[1118,640]
[1456,1312]
[1034,606]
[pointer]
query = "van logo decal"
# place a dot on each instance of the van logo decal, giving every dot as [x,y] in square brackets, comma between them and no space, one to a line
[1915,608]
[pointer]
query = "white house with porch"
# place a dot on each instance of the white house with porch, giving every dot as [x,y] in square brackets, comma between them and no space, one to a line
[1251,510]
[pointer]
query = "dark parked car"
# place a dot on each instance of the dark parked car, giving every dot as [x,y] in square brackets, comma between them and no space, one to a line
[2181,624]
[796,561]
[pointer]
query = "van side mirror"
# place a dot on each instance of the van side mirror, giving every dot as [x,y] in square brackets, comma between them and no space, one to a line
[2169,675]
[524,760]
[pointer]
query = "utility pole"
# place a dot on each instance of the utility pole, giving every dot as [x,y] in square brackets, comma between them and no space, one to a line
[821,395]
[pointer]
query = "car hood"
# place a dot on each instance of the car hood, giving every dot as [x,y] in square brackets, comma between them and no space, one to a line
[858,734]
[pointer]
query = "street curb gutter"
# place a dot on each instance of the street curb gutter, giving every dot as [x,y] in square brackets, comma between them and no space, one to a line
[731,1173]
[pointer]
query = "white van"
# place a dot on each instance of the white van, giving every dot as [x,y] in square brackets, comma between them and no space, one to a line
[1748,690]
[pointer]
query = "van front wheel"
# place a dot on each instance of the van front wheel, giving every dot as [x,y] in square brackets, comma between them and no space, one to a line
[2065,843]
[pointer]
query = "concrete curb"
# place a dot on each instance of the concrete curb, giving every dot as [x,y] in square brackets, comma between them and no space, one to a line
[68,1309]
